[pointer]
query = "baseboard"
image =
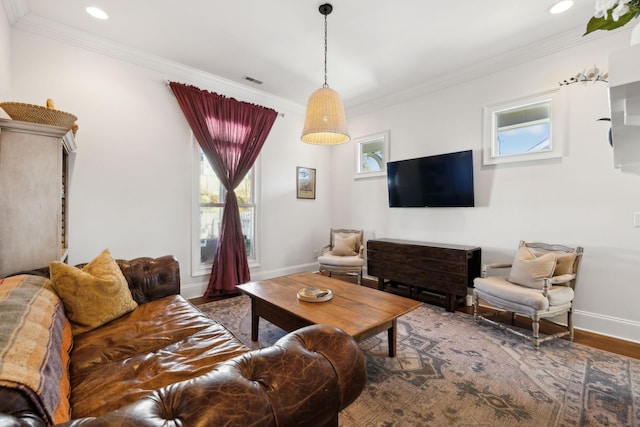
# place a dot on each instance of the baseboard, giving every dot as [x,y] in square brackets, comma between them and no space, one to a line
[197,289]
[262,275]
[615,327]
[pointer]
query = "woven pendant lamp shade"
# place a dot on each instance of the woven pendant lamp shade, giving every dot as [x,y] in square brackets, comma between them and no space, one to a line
[325,122]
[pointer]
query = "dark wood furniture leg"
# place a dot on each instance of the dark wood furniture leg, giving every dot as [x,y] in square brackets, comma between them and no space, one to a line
[391,337]
[255,321]
[451,302]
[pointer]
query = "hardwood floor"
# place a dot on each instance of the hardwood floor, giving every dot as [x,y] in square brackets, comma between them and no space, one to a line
[602,342]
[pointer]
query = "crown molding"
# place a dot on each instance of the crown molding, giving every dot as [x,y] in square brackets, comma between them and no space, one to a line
[17,12]
[172,70]
[15,9]
[509,59]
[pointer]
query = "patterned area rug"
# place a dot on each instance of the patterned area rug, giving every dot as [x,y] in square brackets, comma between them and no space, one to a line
[450,371]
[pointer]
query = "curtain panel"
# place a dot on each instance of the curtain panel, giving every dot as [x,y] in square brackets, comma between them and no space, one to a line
[231,134]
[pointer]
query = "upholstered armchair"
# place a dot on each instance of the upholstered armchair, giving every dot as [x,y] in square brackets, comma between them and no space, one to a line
[344,253]
[540,284]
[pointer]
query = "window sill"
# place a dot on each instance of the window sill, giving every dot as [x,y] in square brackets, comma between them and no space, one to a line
[205,269]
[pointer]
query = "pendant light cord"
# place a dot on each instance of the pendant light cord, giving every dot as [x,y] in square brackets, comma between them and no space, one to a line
[325,53]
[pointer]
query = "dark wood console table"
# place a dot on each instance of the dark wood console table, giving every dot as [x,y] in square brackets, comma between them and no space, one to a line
[422,270]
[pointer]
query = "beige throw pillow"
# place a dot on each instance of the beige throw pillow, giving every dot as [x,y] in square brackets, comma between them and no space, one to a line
[344,245]
[94,295]
[529,270]
[564,261]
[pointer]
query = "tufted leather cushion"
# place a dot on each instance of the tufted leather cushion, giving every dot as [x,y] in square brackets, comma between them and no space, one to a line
[159,343]
[302,380]
[16,410]
[151,278]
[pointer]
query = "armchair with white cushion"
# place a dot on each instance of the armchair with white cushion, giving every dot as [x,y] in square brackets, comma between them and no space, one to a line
[344,253]
[540,284]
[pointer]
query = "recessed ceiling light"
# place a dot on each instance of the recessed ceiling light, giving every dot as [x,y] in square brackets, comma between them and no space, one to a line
[560,6]
[96,12]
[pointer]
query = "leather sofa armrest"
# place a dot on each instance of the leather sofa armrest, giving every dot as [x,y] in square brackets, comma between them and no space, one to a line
[304,379]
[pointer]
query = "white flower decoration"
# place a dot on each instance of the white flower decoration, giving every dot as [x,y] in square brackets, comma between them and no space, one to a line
[612,14]
[620,10]
[603,6]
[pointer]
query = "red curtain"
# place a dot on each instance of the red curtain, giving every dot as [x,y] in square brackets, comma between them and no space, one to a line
[231,134]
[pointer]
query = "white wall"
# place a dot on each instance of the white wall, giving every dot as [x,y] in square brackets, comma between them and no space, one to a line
[130,185]
[5,45]
[131,180]
[578,200]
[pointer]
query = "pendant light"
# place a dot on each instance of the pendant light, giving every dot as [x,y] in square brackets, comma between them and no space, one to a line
[325,122]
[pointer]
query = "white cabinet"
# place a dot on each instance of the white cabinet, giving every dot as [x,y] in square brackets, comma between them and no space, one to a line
[33,181]
[624,98]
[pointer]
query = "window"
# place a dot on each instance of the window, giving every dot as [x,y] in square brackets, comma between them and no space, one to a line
[210,204]
[371,155]
[524,129]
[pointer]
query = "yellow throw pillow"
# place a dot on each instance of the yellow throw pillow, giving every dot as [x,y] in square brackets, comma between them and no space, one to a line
[94,295]
[344,245]
[529,271]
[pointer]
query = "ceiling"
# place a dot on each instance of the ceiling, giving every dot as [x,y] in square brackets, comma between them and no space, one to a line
[376,49]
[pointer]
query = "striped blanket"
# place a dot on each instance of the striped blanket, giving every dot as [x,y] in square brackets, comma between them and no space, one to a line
[35,341]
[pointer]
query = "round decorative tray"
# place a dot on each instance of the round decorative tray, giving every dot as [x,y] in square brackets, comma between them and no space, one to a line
[37,114]
[313,294]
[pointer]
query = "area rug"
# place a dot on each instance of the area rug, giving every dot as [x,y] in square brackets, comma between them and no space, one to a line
[450,371]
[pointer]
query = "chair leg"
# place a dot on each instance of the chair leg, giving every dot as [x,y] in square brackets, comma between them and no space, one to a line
[535,325]
[570,323]
[476,303]
[360,278]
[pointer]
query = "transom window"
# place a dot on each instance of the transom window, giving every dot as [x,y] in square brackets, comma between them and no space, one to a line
[525,129]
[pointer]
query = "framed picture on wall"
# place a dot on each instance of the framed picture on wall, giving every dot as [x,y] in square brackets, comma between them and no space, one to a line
[305,183]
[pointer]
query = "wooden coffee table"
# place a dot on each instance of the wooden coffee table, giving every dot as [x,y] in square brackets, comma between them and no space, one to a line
[360,311]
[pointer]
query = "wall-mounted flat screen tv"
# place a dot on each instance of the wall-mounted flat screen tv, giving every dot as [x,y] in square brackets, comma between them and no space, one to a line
[444,180]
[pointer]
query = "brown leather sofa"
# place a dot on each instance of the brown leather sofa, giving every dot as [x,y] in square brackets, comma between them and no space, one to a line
[167,364]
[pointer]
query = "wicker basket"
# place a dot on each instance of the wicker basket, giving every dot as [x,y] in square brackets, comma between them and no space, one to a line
[37,114]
